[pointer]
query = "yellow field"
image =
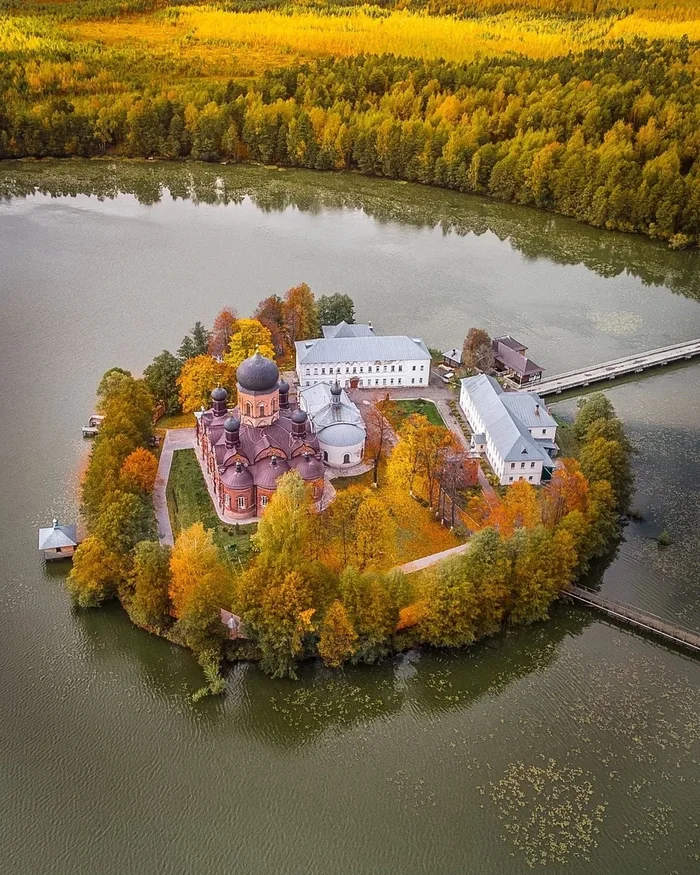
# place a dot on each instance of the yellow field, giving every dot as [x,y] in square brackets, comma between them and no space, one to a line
[231,43]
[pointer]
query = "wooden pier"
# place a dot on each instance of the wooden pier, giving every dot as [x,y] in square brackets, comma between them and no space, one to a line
[623,613]
[631,364]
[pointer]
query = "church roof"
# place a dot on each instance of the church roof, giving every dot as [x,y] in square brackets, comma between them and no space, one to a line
[257,374]
[338,423]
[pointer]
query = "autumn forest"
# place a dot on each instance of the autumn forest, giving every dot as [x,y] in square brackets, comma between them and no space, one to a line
[588,107]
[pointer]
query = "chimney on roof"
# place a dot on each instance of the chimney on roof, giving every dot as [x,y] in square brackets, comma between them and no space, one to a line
[55,523]
[369,325]
[537,409]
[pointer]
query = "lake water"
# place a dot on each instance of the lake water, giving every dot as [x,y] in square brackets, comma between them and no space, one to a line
[418,765]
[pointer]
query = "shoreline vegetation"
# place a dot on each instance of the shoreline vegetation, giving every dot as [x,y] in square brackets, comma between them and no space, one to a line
[591,115]
[325,584]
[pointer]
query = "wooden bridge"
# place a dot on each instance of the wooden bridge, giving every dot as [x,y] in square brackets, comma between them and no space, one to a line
[624,613]
[631,364]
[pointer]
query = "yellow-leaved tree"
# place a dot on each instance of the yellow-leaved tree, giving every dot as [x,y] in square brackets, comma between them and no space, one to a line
[199,376]
[249,337]
[338,637]
[200,586]
[375,535]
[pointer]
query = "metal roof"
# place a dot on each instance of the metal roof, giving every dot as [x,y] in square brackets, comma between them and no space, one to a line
[346,329]
[337,424]
[372,348]
[454,355]
[529,408]
[510,436]
[341,434]
[511,358]
[58,536]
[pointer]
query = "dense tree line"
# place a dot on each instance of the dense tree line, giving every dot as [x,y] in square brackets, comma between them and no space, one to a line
[609,137]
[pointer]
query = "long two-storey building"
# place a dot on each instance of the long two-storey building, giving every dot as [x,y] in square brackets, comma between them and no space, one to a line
[354,356]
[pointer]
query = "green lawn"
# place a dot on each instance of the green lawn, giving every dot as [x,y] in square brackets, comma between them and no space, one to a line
[408,408]
[364,480]
[189,502]
[569,445]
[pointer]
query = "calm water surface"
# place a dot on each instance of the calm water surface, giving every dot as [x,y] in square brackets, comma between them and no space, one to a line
[418,765]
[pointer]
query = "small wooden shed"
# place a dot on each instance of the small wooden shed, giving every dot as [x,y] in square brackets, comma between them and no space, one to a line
[58,542]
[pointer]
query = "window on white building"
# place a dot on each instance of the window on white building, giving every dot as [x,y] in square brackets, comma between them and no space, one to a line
[510,479]
[414,367]
[522,464]
[422,367]
[413,379]
[530,477]
[532,464]
[512,464]
[400,367]
[315,371]
[354,370]
[346,459]
[544,431]
[392,369]
[323,370]
[392,381]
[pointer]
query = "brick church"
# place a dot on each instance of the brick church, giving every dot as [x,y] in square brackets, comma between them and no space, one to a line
[245,450]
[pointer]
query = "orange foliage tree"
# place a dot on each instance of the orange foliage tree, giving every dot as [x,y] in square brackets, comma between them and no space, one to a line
[138,471]
[223,329]
[300,313]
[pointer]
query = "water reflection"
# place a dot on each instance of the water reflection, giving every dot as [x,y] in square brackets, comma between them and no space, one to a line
[534,233]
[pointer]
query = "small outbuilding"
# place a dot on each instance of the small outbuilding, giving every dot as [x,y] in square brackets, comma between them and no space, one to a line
[452,358]
[58,542]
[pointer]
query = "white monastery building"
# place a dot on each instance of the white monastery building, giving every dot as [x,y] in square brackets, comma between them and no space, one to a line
[354,356]
[337,422]
[512,429]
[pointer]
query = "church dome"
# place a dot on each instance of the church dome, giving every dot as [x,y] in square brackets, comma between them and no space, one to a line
[299,416]
[283,387]
[257,374]
[336,389]
[219,394]
[233,423]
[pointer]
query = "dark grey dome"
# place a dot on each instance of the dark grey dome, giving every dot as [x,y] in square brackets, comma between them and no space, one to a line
[336,390]
[283,387]
[233,423]
[299,416]
[258,374]
[219,394]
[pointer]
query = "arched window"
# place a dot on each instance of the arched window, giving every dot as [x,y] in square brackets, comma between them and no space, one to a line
[274,404]
[248,408]
[241,502]
[227,502]
[325,456]
[346,459]
[261,410]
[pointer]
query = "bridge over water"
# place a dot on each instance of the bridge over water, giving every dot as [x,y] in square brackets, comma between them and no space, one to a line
[631,364]
[631,616]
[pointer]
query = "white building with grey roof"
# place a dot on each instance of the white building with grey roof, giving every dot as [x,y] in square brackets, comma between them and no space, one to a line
[357,357]
[513,430]
[337,422]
